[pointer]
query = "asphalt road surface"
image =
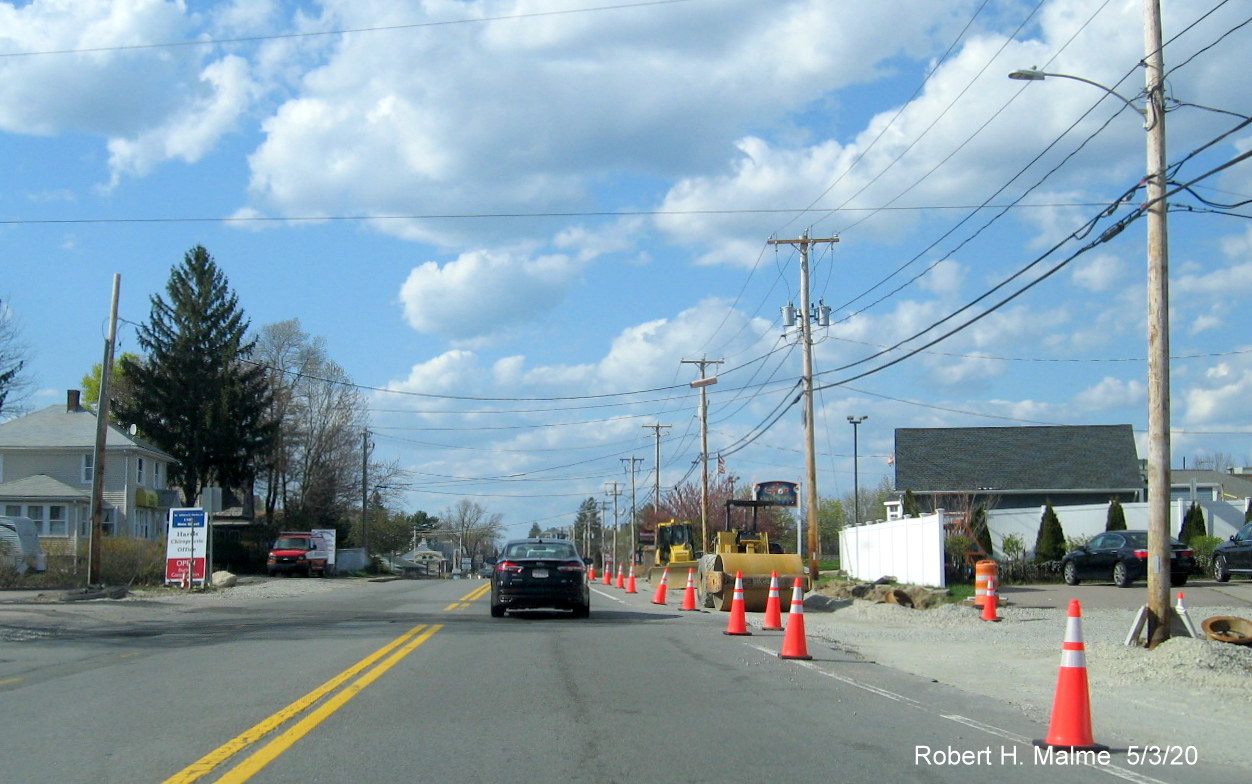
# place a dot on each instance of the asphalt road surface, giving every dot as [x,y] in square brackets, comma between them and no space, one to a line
[414,681]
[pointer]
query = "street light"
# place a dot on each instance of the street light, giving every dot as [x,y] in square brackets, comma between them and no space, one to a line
[856,476]
[1158,318]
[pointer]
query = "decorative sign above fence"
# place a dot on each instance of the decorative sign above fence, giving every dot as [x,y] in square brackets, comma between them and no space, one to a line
[776,493]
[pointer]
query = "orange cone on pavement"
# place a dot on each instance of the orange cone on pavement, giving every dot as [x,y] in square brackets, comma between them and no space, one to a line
[630,580]
[794,645]
[659,596]
[619,582]
[1071,707]
[608,574]
[773,606]
[689,594]
[738,623]
[991,601]
[591,573]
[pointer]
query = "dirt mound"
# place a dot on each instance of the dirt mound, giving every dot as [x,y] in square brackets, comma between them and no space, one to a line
[916,596]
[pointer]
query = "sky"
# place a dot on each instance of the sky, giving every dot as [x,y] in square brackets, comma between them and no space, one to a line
[518,223]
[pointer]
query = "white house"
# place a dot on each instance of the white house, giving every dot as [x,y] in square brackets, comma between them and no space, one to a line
[47,467]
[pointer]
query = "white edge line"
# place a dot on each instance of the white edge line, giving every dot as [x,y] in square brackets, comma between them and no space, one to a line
[1112,770]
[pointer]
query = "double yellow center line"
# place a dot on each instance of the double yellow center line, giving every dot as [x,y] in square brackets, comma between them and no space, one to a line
[368,669]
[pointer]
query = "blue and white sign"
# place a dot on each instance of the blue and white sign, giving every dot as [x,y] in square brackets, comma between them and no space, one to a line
[186,546]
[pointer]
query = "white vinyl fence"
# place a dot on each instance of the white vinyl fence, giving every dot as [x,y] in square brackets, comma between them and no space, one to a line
[909,549]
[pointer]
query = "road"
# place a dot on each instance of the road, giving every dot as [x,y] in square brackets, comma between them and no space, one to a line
[412,680]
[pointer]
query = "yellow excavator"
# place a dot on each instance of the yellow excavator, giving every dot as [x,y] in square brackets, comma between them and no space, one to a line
[749,553]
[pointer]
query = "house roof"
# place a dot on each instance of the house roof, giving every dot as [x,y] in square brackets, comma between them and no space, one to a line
[1232,485]
[1017,459]
[58,427]
[42,486]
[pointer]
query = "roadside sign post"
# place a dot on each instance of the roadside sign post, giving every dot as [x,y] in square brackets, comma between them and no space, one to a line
[186,547]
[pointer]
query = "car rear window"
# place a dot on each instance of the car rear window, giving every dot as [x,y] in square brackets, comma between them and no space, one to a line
[551,550]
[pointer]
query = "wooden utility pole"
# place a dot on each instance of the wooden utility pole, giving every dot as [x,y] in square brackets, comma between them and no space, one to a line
[365,496]
[810,450]
[634,541]
[656,433]
[1158,334]
[94,575]
[703,384]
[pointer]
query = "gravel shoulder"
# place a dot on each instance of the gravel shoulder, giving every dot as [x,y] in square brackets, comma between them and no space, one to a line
[1188,692]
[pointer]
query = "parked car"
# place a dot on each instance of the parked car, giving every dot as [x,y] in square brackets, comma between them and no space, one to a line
[298,552]
[1233,556]
[540,573]
[1122,557]
[19,545]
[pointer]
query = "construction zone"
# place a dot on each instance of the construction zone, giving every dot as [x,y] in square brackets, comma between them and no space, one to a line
[745,551]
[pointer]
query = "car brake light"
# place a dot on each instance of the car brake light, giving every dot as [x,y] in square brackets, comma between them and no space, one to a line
[572,566]
[1187,553]
[509,566]
[1141,554]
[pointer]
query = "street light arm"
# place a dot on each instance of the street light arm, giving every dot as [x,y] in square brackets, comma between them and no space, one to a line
[1035,75]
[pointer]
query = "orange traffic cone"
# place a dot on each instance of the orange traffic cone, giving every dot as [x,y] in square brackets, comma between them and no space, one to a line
[689,594]
[991,601]
[773,606]
[659,596]
[608,575]
[794,645]
[591,573]
[738,623]
[630,580]
[1071,707]
[619,582]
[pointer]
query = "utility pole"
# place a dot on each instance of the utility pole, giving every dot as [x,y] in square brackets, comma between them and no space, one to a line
[614,493]
[1158,334]
[94,576]
[656,432]
[856,470]
[604,508]
[808,313]
[634,541]
[365,492]
[703,384]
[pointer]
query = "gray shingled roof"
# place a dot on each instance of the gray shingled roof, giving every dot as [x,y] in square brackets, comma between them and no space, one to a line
[41,486]
[1006,459]
[55,428]
[1234,485]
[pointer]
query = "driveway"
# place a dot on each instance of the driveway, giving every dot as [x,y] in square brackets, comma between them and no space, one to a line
[1196,594]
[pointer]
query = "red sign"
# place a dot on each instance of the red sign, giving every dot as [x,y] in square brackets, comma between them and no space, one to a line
[176,569]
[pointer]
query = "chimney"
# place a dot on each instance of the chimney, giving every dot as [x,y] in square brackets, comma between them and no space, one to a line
[71,401]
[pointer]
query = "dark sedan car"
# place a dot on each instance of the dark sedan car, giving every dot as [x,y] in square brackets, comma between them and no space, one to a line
[1233,556]
[1122,556]
[538,574]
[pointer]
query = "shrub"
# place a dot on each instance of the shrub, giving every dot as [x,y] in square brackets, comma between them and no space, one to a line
[1050,543]
[1074,542]
[1203,547]
[1117,517]
[978,523]
[126,561]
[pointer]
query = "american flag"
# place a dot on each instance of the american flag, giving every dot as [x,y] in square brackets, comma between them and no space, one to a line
[721,464]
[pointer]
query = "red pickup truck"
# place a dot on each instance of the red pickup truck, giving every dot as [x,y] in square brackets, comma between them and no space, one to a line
[298,551]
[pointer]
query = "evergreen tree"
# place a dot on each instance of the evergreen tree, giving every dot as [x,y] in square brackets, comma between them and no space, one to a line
[978,523]
[1050,541]
[587,527]
[1193,525]
[192,395]
[535,531]
[911,507]
[1116,520]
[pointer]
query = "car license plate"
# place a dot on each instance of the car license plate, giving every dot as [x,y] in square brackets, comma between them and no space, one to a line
[538,572]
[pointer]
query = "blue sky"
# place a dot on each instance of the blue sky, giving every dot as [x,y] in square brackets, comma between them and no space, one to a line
[519,217]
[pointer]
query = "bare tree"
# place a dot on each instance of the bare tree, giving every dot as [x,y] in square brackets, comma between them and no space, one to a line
[470,526]
[13,383]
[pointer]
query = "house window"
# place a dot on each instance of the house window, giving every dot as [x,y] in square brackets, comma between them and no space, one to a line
[139,471]
[58,523]
[143,518]
[89,467]
[84,525]
[156,476]
[36,513]
[12,510]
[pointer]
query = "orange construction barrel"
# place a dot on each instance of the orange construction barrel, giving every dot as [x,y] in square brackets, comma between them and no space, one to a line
[982,570]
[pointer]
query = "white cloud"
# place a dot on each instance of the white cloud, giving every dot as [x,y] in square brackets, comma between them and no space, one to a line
[485,292]
[1100,272]
[1111,393]
[227,91]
